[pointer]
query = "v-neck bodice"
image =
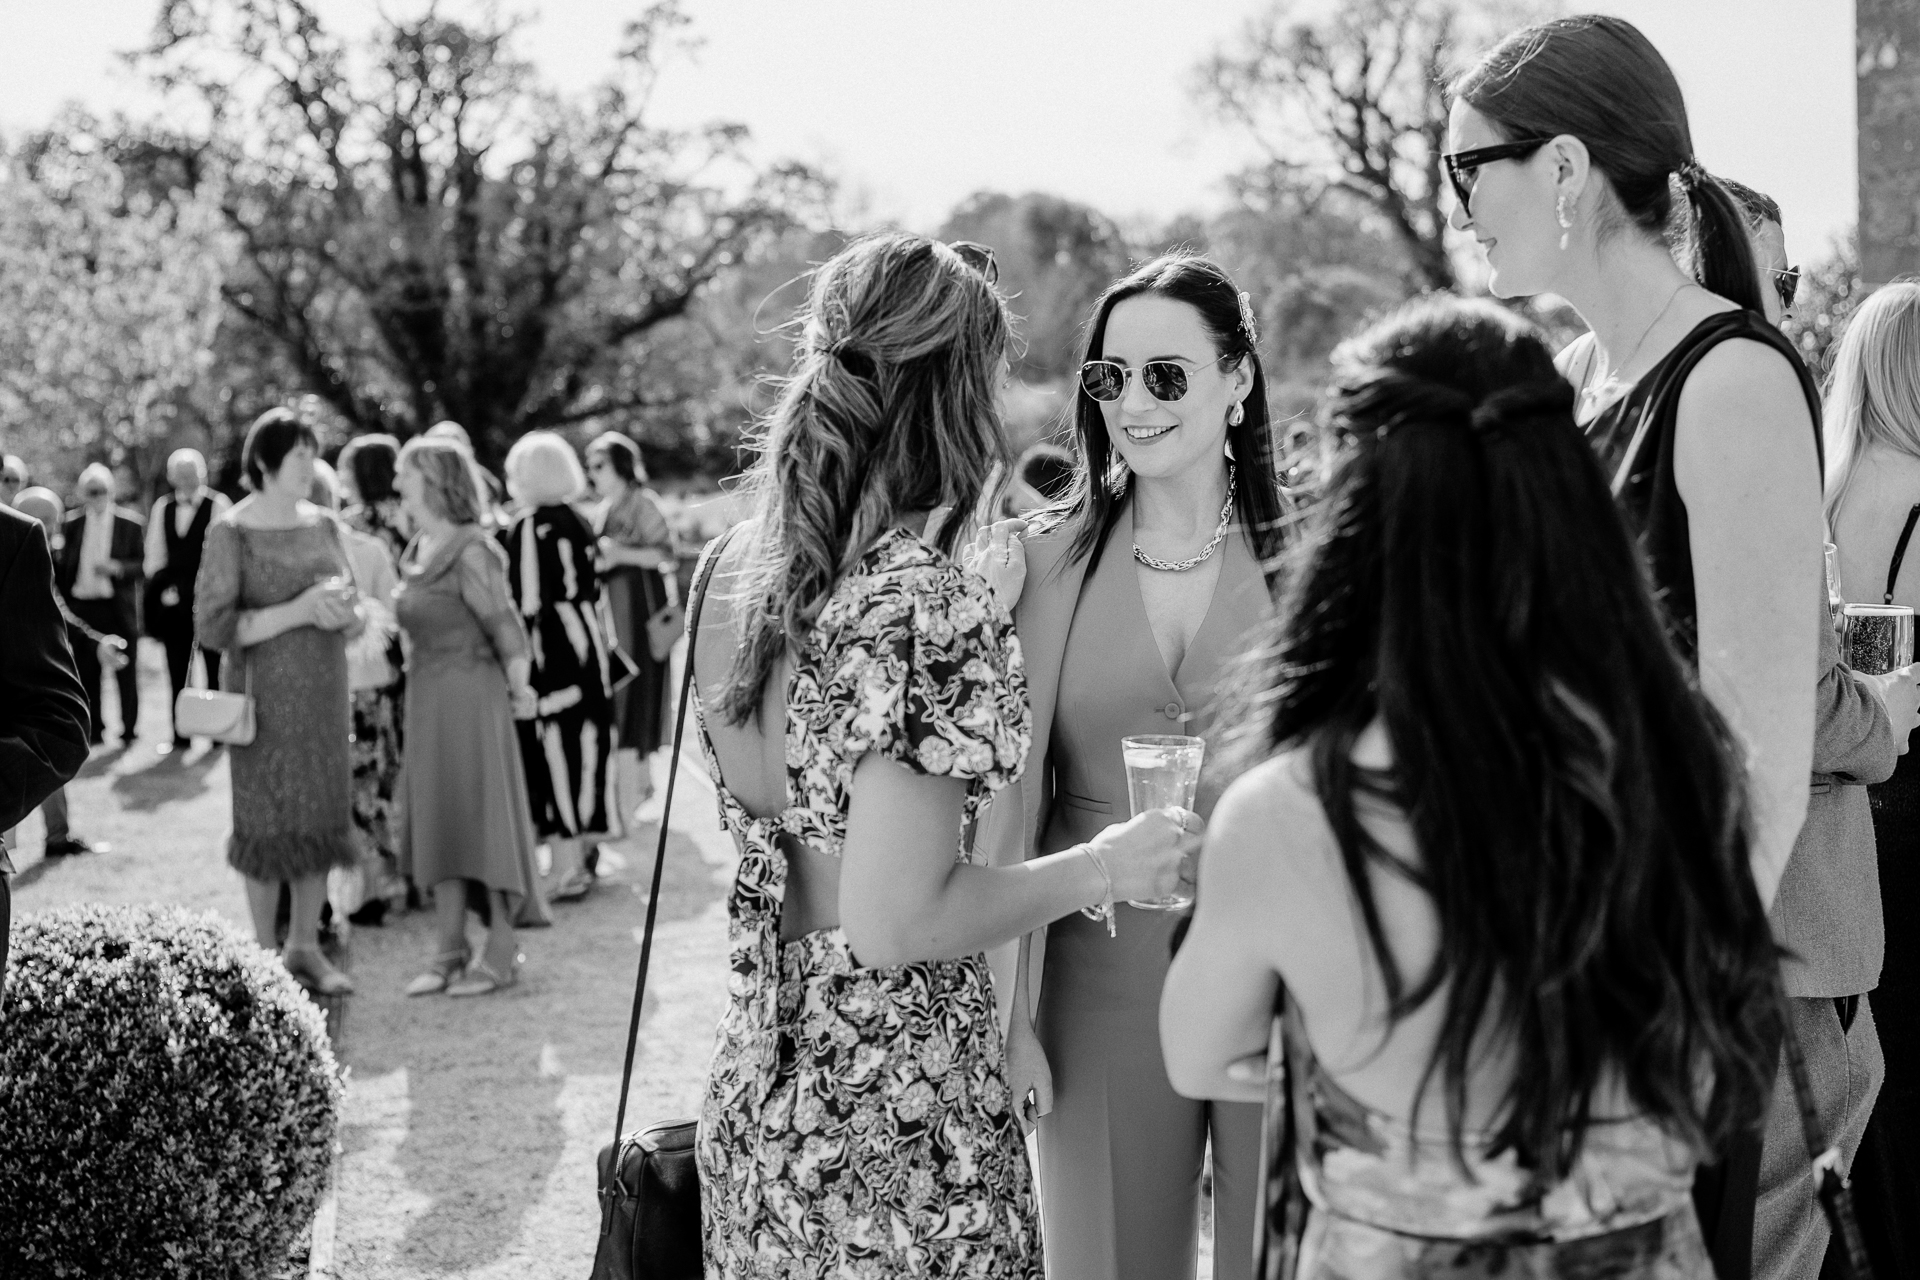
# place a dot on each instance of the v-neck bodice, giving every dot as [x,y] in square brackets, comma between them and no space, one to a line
[1114,680]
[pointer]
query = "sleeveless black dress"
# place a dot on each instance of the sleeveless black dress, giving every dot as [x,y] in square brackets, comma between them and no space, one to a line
[1634,438]
[1886,1169]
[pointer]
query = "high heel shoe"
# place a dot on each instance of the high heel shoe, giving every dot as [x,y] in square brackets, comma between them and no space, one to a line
[443,970]
[312,970]
[482,980]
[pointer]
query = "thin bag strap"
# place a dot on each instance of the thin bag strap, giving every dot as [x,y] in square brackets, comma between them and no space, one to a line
[1830,1183]
[1280,1207]
[1900,552]
[696,597]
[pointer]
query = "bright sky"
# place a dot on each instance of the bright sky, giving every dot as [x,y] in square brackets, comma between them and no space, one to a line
[916,105]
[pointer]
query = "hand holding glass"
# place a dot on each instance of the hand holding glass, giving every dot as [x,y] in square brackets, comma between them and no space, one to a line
[1163,771]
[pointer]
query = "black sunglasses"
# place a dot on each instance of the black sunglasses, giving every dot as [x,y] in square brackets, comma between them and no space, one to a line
[1166,380]
[1463,167]
[979,257]
[1787,285]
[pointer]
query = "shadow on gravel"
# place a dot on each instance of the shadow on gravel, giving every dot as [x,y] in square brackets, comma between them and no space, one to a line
[168,780]
[483,1129]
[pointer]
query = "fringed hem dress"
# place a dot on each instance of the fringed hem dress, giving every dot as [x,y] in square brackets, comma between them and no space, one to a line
[293,784]
[463,793]
[857,1120]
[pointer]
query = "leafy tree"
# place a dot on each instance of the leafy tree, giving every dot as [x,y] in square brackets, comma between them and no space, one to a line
[1353,101]
[1830,292]
[109,304]
[1055,256]
[425,231]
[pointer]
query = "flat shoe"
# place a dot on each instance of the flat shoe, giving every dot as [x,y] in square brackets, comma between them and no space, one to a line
[481,980]
[445,968]
[573,888]
[320,977]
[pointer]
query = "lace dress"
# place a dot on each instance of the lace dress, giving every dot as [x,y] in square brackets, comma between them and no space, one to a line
[857,1120]
[292,785]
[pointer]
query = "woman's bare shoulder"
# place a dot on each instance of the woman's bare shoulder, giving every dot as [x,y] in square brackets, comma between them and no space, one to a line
[1270,822]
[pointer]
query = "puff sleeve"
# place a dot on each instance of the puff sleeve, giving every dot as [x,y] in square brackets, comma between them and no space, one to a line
[932,677]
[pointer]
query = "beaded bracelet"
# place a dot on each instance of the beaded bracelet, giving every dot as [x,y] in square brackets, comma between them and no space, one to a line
[1103,911]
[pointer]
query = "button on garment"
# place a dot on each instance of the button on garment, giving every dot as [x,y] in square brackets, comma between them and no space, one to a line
[1173,711]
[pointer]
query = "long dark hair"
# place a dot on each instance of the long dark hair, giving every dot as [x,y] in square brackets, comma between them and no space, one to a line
[1578,807]
[1095,499]
[1599,79]
[891,407]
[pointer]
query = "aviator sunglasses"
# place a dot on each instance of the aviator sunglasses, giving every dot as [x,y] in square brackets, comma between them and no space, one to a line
[1463,167]
[1786,284]
[1166,380]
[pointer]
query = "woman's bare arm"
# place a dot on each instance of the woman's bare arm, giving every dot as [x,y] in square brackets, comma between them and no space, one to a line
[903,897]
[1748,471]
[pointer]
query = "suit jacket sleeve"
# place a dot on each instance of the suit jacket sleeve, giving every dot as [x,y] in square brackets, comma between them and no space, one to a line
[43,709]
[1852,739]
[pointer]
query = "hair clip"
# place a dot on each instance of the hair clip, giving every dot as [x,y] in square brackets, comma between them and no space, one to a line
[1246,319]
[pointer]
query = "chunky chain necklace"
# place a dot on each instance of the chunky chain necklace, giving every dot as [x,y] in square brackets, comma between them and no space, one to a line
[1213,544]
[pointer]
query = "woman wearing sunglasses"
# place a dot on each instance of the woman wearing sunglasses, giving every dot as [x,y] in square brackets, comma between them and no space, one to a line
[1568,149]
[1139,588]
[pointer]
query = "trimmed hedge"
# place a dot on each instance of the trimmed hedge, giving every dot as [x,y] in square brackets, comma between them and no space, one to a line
[168,1099]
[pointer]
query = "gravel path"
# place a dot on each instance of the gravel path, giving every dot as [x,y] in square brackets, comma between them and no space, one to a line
[470,1126]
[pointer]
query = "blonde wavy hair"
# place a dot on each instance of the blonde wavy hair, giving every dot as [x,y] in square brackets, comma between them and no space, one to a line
[451,491]
[890,408]
[1873,394]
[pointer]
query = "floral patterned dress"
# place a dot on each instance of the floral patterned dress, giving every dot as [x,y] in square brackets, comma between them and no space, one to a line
[857,1121]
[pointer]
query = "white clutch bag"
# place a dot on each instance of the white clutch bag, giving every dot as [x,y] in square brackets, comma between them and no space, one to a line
[210,713]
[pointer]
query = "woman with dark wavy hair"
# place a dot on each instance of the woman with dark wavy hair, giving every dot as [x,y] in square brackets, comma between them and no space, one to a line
[1140,587]
[1492,839]
[860,696]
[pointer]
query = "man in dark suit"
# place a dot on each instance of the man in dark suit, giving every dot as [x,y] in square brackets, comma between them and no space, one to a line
[43,709]
[176,531]
[99,573]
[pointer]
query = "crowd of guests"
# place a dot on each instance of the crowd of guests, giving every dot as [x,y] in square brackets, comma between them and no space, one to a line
[1542,807]
[437,665]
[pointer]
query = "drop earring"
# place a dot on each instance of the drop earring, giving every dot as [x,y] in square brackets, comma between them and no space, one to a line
[1236,415]
[1565,220]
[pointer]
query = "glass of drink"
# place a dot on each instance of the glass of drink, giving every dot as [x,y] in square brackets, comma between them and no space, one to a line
[1163,770]
[1877,638]
[1836,598]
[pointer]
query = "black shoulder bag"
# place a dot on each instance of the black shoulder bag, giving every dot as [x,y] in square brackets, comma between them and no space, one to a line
[649,1183]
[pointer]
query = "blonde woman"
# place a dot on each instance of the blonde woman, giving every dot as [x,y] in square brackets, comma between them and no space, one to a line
[1873,505]
[860,697]
[466,828]
[567,743]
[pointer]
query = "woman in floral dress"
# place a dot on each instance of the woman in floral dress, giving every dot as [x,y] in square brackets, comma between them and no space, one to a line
[860,697]
[373,514]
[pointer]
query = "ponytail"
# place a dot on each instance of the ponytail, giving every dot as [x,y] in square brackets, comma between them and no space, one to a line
[890,408]
[1599,79]
[1721,252]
